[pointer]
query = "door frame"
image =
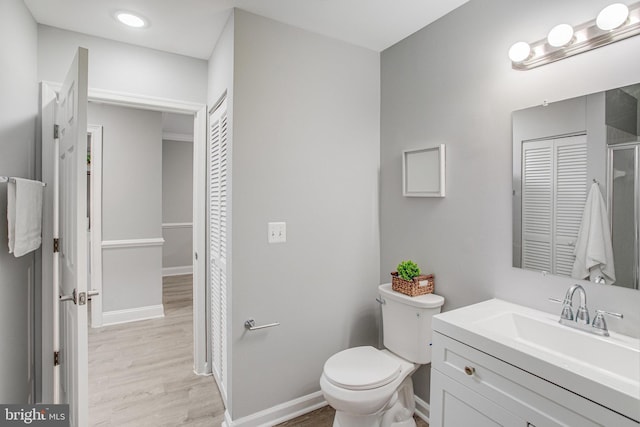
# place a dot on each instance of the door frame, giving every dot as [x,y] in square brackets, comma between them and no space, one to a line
[199,111]
[95,249]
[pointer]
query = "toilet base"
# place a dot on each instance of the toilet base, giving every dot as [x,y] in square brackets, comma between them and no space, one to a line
[397,413]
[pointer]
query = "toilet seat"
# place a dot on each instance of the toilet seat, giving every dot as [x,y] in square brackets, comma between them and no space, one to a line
[361,368]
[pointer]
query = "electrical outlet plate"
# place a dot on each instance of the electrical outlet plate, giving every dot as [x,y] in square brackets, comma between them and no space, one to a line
[277,232]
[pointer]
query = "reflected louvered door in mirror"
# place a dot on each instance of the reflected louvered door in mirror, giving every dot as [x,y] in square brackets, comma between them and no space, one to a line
[537,204]
[570,197]
[554,190]
[218,146]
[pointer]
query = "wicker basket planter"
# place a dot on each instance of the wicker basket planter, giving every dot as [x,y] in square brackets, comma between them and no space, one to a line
[413,287]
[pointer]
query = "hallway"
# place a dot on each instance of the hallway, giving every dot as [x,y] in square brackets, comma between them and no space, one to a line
[141,373]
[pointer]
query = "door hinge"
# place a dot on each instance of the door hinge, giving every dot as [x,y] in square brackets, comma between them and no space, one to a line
[56,358]
[56,131]
[56,245]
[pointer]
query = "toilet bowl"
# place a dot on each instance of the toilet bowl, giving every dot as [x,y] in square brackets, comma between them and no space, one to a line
[363,381]
[372,388]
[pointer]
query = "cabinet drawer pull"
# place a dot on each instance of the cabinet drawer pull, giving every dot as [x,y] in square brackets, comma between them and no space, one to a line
[469,370]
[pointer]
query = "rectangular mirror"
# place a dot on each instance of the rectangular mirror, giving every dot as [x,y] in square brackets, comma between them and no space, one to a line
[559,151]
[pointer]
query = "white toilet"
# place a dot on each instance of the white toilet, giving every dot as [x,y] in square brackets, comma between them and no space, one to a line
[372,388]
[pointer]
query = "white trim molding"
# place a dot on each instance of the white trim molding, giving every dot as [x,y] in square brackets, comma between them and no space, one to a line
[180,137]
[131,100]
[177,271]
[279,413]
[423,410]
[177,225]
[132,243]
[132,314]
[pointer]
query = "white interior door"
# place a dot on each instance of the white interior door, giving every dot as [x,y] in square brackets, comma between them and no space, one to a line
[70,228]
[218,203]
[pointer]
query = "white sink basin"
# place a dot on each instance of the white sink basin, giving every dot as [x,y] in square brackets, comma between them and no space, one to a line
[605,370]
[610,355]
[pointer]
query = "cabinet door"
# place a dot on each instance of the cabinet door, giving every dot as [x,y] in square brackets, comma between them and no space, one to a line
[454,405]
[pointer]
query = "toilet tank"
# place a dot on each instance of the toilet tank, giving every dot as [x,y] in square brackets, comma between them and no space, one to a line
[406,323]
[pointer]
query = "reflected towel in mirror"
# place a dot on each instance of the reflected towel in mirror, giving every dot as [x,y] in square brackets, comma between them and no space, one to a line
[593,251]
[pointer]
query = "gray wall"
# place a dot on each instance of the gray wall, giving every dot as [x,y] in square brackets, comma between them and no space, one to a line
[305,151]
[452,83]
[131,204]
[18,110]
[177,202]
[122,67]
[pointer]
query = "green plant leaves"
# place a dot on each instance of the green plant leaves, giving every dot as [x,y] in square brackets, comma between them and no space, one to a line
[408,270]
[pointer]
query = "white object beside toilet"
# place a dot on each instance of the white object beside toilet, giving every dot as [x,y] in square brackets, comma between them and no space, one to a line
[372,388]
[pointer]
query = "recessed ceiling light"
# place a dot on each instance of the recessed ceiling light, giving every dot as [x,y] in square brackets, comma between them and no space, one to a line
[131,20]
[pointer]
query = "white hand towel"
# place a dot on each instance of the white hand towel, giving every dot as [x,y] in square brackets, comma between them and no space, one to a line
[24,215]
[593,251]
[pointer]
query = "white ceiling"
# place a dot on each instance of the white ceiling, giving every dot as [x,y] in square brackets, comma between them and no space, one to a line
[191,27]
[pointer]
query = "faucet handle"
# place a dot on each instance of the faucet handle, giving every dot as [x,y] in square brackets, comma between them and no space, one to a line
[600,323]
[567,311]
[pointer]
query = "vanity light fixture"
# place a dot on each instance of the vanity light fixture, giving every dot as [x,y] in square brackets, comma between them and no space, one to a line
[614,23]
[131,20]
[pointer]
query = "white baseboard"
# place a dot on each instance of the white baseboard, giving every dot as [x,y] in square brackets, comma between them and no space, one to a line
[279,413]
[423,410]
[132,314]
[297,407]
[177,271]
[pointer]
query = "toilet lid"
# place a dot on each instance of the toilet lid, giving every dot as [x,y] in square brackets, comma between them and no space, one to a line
[361,368]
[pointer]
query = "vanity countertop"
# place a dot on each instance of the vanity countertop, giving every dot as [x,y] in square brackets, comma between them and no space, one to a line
[605,370]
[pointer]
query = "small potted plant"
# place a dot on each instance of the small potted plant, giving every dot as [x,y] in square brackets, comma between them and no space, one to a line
[409,281]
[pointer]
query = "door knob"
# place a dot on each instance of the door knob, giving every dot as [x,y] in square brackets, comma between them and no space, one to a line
[73,297]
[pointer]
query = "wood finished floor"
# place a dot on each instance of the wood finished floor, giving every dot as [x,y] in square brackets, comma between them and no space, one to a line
[323,417]
[141,373]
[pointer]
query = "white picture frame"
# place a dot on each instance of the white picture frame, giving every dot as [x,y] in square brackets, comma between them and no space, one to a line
[423,172]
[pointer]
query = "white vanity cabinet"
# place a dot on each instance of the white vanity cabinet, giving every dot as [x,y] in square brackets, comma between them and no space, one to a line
[473,388]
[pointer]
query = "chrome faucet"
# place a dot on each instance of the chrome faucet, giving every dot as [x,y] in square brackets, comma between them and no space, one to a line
[581,319]
[582,315]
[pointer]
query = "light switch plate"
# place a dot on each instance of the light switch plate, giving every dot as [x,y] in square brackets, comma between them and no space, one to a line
[277,232]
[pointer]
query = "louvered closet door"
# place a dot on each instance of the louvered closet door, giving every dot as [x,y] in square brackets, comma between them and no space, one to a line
[569,199]
[537,205]
[218,146]
[554,190]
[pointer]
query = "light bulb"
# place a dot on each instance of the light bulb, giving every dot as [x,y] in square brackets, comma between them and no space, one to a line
[560,35]
[612,16]
[519,51]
